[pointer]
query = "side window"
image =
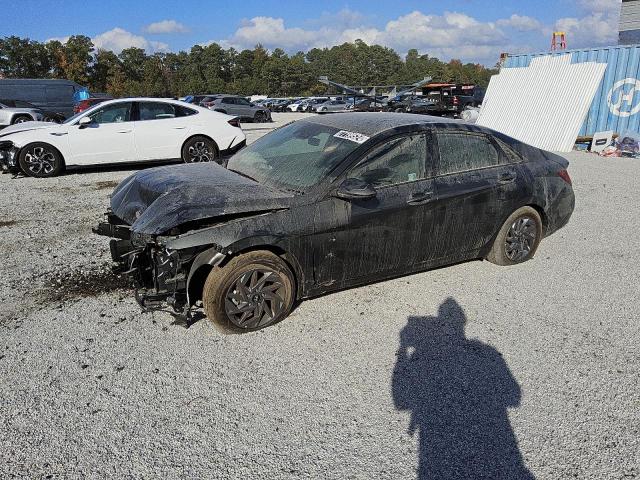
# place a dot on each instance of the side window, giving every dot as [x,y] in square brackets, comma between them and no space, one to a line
[242,101]
[116,113]
[156,111]
[59,93]
[228,101]
[512,156]
[397,161]
[462,151]
[184,111]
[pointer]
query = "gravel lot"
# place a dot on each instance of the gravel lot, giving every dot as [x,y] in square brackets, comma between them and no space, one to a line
[544,376]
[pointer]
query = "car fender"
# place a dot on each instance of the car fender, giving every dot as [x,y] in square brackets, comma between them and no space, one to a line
[56,138]
[217,255]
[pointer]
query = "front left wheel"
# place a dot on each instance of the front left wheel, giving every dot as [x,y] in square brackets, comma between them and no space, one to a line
[199,149]
[41,160]
[254,290]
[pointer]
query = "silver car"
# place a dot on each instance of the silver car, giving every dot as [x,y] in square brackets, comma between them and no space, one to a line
[12,115]
[239,107]
[330,106]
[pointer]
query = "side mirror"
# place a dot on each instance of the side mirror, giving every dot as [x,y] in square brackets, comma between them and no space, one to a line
[355,189]
[84,122]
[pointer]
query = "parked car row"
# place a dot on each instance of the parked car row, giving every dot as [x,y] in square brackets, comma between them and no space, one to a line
[235,105]
[116,131]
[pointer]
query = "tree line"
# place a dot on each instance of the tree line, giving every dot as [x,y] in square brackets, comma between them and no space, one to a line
[211,68]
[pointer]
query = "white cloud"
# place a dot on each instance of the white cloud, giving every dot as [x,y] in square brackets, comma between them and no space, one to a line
[599,6]
[118,39]
[166,26]
[522,23]
[598,27]
[453,34]
[450,35]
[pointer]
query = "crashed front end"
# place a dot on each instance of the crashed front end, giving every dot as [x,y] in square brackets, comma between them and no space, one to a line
[160,275]
[9,157]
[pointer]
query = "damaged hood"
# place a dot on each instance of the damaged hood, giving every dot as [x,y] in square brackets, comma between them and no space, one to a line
[26,126]
[156,200]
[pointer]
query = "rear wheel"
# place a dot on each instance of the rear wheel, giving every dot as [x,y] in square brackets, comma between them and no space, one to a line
[199,149]
[518,239]
[252,291]
[41,160]
[21,119]
[260,117]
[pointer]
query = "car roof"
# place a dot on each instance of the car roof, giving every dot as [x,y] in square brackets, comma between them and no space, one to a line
[373,123]
[141,99]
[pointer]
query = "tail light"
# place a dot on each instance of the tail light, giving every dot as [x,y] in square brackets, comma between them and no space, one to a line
[563,174]
[234,122]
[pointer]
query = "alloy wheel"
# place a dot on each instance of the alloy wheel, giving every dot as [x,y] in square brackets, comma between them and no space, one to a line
[21,120]
[200,152]
[40,161]
[255,298]
[521,238]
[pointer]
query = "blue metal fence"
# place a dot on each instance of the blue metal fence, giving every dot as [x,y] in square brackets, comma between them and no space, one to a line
[616,105]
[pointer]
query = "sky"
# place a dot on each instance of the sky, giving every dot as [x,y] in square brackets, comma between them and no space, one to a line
[470,30]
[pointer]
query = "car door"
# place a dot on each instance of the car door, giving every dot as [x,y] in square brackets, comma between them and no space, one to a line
[244,107]
[107,139]
[161,129]
[477,184]
[228,104]
[385,235]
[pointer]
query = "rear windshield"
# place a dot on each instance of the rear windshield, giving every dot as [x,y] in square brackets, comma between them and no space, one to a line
[294,157]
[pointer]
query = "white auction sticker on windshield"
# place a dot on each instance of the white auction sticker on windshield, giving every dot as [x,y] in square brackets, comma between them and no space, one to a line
[351,136]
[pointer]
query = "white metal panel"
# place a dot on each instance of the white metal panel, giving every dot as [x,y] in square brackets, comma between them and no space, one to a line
[543,105]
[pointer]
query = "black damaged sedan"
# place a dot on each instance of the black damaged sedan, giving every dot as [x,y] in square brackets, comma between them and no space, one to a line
[328,203]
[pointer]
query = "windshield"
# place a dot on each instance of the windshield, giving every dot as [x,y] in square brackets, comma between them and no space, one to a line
[294,157]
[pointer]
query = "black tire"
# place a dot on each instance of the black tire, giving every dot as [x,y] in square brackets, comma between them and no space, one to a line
[399,110]
[21,119]
[260,307]
[41,160]
[259,117]
[518,238]
[200,149]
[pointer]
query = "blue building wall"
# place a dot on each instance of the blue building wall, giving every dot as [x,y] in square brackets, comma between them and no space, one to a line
[616,105]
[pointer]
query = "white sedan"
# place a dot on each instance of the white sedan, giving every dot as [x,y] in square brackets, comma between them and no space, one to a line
[125,130]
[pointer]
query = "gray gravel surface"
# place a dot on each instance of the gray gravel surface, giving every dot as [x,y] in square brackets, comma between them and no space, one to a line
[459,370]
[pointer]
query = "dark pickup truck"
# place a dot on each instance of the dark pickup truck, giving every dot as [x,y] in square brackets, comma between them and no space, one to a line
[450,99]
[439,99]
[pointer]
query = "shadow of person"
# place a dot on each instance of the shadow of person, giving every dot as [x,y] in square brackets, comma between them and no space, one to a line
[458,391]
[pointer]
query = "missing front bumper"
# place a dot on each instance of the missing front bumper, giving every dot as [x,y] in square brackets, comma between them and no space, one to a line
[8,158]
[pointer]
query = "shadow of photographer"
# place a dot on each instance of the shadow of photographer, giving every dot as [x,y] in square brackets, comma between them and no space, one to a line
[458,391]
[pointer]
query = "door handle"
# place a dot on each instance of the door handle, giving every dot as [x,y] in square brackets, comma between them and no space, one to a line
[506,178]
[179,128]
[124,131]
[420,198]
